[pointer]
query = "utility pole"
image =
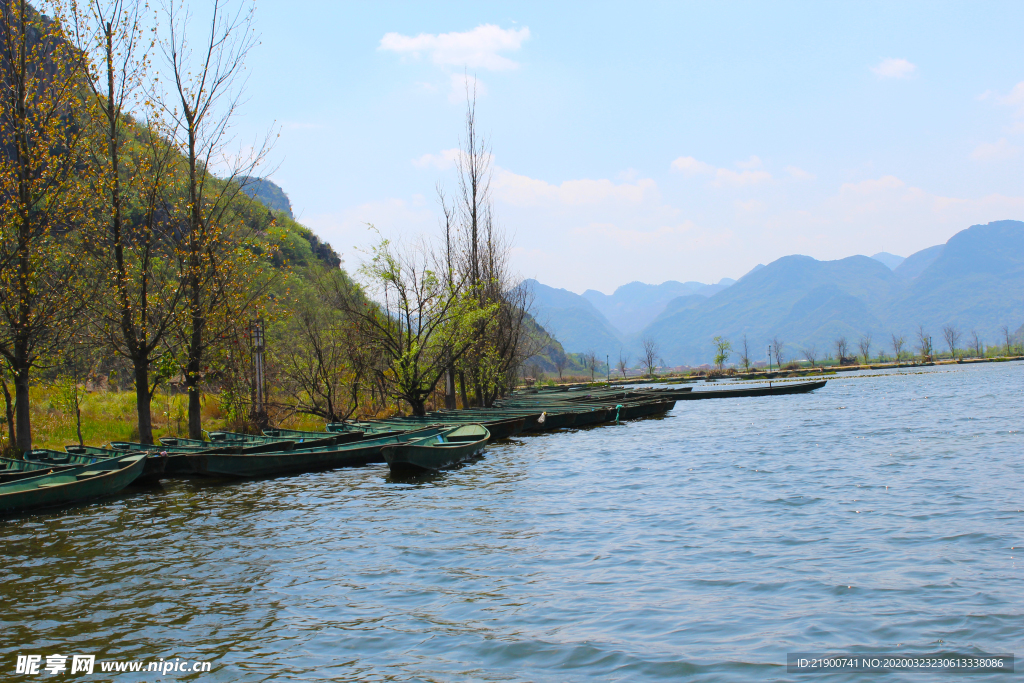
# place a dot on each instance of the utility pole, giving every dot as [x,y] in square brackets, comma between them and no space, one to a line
[258,373]
[608,367]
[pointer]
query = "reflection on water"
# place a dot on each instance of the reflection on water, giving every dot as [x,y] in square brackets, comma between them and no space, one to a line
[879,512]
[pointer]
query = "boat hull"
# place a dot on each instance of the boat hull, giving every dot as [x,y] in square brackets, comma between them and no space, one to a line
[62,488]
[414,458]
[779,390]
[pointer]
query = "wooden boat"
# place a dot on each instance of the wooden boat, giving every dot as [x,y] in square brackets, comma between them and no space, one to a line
[315,438]
[355,454]
[447,449]
[776,390]
[72,485]
[299,436]
[156,459]
[14,470]
[227,448]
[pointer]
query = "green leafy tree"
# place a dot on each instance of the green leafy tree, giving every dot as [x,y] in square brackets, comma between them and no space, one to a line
[723,349]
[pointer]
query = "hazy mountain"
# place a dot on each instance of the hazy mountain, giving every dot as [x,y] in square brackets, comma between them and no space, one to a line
[798,298]
[974,281]
[916,263]
[574,321]
[636,304]
[890,260]
[268,192]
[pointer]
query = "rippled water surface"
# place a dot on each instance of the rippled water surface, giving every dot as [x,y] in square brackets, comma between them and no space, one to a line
[882,513]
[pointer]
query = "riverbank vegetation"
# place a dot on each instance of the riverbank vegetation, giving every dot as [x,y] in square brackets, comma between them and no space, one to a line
[138,276]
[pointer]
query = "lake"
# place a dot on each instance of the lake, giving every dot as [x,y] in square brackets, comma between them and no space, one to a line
[881,513]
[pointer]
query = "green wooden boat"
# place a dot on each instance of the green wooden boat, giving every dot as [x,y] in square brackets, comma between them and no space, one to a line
[316,438]
[156,459]
[446,449]
[72,485]
[745,392]
[13,470]
[299,435]
[355,454]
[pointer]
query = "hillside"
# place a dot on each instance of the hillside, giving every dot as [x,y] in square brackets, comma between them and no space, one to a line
[974,281]
[633,306]
[268,192]
[574,321]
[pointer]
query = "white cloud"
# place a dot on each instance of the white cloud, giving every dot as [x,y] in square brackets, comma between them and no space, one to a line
[690,167]
[799,173]
[476,49]
[995,151]
[725,176]
[894,68]
[1015,98]
[751,163]
[442,162]
[522,190]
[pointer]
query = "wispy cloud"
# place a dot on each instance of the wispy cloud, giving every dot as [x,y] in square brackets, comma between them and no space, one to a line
[995,151]
[749,173]
[798,173]
[894,68]
[443,161]
[476,49]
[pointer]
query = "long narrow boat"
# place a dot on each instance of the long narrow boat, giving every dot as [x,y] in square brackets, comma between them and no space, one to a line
[14,470]
[314,439]
[72,485]
[355,454]
[440,451]
[776,390]
[156,459]
[299,435]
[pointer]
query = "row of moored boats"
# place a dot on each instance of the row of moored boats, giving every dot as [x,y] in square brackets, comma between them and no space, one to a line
[44,478]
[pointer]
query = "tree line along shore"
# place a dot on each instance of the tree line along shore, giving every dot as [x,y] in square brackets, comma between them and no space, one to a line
[141,283]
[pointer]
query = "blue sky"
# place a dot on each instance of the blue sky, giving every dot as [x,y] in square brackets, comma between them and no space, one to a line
[650,141]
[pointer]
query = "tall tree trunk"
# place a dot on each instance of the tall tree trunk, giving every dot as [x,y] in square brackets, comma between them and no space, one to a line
[462,390]
[8,409]
[143,401]
[21,409]
[419,407]
[449,388]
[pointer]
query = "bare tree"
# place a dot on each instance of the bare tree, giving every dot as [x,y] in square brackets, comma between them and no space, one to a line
[864,344]
[776,348]
[811,354]
[561,361]
[1008,337]
[590,360]
[623,363]
[976,343]
[924,343]
[649,355]
[205,95]
[132,248]
[951,333]
[842,349]
[745,353]
[897,346]
[319,352]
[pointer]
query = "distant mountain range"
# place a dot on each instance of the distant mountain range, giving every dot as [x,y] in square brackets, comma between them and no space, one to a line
[974,281]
